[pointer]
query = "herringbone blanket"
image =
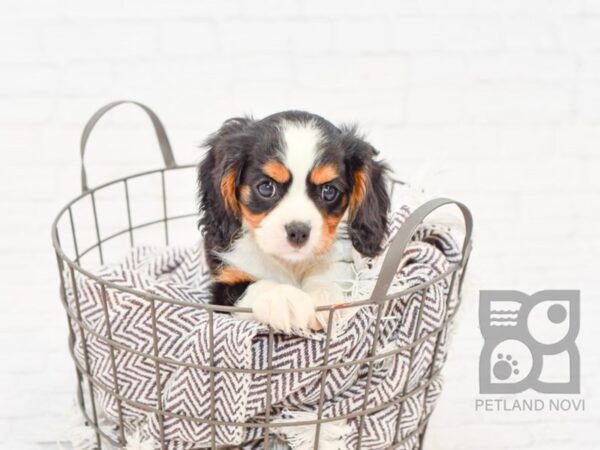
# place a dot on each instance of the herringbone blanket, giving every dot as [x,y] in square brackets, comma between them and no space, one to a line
[143,385]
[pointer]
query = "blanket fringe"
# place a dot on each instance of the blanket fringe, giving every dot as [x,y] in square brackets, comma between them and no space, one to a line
[80,436]
[137,441]
[332,435]
[75,432]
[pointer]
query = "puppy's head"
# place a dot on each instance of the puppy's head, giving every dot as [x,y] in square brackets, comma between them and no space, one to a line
[288,180]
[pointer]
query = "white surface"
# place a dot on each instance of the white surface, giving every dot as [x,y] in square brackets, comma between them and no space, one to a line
[496,103]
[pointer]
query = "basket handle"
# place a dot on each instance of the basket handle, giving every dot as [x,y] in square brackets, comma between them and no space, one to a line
[403,237]
[161,134]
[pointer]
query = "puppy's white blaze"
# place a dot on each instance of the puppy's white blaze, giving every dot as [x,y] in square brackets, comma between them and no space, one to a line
[301,145]
[301,142]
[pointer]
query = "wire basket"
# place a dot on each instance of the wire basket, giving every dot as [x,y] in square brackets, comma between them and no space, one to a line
[101,223]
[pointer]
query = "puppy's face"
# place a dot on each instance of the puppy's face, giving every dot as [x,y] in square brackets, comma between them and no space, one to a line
[290,178]
[293,197]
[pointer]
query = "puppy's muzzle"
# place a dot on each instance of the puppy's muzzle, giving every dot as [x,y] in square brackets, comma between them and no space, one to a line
[297,233]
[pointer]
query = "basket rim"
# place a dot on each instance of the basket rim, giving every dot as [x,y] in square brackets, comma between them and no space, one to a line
[75,266]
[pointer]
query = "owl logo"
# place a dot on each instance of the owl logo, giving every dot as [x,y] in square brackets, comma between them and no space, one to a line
[529,342]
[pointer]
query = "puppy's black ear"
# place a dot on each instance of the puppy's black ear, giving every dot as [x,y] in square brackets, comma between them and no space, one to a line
[369,200]
[219,175]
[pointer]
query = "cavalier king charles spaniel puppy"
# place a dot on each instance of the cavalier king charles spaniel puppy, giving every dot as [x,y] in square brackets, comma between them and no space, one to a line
[273,193]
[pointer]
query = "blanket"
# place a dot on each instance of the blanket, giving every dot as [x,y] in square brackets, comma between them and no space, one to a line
[146,386]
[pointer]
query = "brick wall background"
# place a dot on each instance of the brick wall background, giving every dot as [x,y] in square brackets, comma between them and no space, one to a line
[496,103]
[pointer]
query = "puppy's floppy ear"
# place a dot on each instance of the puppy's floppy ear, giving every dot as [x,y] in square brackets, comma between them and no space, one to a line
[369,199]
[219,175]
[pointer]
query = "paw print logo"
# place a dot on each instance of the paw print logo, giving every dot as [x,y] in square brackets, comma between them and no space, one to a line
[523,336]
[505,366]
[510,362]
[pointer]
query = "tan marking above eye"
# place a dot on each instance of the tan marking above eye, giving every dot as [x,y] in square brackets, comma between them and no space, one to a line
[323,174]
[276,171]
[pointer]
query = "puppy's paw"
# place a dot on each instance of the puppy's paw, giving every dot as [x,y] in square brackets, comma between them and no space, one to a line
[324,295]
[284,308]
[281,306]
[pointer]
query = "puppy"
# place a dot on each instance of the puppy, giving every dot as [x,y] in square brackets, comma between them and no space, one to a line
[273,193]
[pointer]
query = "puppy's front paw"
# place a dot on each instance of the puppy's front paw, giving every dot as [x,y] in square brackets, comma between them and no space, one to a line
[324,295]
[281,306]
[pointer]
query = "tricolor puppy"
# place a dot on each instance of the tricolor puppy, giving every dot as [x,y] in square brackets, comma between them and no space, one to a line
[273,193]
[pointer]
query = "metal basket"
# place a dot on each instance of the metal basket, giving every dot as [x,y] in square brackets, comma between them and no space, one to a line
[73,257]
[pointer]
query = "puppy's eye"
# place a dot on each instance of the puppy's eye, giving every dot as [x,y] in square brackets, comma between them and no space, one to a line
[329,193]
[266,189]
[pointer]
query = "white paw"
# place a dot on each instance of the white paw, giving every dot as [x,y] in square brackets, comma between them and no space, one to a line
[325,295]
[281,306]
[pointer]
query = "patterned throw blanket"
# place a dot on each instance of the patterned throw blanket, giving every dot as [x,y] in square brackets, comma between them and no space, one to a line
[184,335]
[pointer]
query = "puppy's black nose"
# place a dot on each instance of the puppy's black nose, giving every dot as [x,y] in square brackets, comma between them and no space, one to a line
[297,233]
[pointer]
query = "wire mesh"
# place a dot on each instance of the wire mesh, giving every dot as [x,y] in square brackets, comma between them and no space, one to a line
[88,386]
[75,258]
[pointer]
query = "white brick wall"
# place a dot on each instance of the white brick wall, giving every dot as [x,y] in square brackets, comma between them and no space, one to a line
[496,103]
